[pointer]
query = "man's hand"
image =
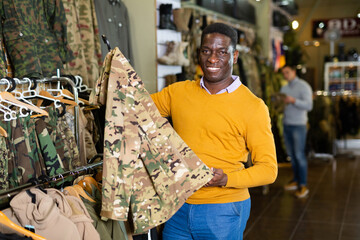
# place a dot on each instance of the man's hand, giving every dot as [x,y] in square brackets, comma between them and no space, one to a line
[290,99]
[219,179]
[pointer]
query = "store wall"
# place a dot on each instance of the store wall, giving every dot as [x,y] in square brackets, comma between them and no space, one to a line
[143,39]
[315,55]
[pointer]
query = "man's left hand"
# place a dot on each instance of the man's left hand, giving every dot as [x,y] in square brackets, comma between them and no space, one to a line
[290,99]
[219,179]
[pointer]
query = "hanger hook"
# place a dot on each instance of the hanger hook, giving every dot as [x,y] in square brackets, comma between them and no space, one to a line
[8,84]
[13,84]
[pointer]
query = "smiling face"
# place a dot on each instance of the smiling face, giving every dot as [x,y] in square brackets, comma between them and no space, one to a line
[216,58]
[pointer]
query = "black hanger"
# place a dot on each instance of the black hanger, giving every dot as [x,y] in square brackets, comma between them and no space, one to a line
[106,41]
[13,84]
[34,85]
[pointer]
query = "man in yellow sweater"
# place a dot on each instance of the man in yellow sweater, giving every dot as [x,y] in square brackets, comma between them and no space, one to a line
[222,122]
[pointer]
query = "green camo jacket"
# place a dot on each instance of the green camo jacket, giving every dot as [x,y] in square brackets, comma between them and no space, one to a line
[147,167]
[35,36]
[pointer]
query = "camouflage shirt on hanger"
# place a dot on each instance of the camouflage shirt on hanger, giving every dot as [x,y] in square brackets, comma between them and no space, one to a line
[147,168]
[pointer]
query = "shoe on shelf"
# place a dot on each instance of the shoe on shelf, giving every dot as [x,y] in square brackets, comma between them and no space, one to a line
[291,186]
[302,192]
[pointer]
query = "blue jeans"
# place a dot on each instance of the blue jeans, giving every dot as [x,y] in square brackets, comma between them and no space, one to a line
[295,140]
[222,221]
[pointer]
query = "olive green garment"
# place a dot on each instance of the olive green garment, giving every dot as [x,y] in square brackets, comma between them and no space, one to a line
[108,229]
[52,160]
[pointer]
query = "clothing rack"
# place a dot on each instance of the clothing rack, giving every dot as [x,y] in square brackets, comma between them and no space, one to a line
[5,196]
[16,81]
[328,156]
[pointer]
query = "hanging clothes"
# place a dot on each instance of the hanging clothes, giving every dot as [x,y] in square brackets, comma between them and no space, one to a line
[75,210]
[5,59]
[84,40]
[322,129]
[147,167]
[252,74]
[36,208]
[4,159]
[2,61]
[113,19]
[53,162]
[87,148]
[108,229]
[25,162]
[63,139]
[35,36]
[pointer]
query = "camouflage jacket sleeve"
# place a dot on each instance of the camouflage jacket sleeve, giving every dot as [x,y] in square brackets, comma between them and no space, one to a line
[57,20]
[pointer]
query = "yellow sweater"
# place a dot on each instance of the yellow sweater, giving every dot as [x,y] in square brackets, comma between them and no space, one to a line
[222,129]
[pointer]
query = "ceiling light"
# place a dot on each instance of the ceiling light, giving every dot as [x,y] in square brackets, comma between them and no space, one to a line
[295,24]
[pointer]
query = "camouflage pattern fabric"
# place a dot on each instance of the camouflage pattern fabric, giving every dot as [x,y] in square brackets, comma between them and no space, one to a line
[52,160]
[71,148]
[78,65]
[91,39]
[4,159]
[33,151]
[13,179]
[147,167]
[35,146]
[59,143]
[63,139]
[35,36]
[83,39]
[99,93]
[2,62]
[88,137]
[93,130]
[23,162]
[8,67]
[19,164]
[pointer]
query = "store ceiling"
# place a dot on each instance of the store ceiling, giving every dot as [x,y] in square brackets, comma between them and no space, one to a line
[310,3]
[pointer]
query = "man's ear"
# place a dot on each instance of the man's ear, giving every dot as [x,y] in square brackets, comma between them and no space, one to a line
[236,56]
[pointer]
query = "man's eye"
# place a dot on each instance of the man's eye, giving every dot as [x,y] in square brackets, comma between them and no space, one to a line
[205,51]
[222,52]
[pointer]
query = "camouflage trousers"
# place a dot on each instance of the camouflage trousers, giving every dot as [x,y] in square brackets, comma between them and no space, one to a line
[147,167]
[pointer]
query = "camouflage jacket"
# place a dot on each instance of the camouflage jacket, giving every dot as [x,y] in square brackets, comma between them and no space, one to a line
[35,36]
[84,40]
[147,167]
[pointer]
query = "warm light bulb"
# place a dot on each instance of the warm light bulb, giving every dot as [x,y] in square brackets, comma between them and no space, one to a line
[295,24]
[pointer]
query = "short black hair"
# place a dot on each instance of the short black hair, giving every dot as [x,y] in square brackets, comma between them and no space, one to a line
[222,29]
[293,67]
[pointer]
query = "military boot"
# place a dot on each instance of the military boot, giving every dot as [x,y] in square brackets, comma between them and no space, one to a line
[181,19]
[176,54]
[165,17]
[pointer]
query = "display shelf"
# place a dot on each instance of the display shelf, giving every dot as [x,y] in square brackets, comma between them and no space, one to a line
[341,76]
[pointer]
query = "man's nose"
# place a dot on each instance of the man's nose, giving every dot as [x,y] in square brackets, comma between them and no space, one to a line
[213,58]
